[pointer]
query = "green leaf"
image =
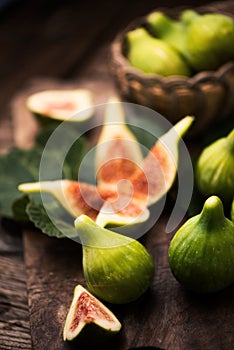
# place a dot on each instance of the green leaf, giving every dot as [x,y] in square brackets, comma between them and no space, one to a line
[20,166]
[16,167]
[57,224]
[19,209]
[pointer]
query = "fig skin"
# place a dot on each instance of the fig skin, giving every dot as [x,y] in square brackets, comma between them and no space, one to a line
[117,268]
[201,254]
[154,56]
[232,210]
[209,41]
[214,169]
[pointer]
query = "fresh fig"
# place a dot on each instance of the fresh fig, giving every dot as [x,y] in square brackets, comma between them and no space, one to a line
[117,268]
[154,56]
[118,152]
[209,42]
[214,170]
[101,204]
[56,106]
[201,254]
[76,197]
[88,320]
[169,30]
[159,168]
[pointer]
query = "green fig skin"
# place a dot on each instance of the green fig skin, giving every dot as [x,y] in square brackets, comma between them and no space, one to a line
[209,41]
[154,56]
[232,210]
[117,269]
[214,169]
[201,254]
[171,31]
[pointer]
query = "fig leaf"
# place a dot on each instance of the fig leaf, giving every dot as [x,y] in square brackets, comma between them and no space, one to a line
[20,165]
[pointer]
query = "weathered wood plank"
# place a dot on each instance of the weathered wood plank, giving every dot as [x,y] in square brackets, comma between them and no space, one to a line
[14,315]
[167,316]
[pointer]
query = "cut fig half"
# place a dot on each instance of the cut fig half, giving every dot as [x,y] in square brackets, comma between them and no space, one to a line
[89,320]
[61,105]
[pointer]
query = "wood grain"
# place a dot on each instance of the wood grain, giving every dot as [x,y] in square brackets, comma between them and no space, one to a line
[14,313]
[71,40]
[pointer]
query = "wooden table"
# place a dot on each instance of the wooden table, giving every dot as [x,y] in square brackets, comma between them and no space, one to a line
[69,41]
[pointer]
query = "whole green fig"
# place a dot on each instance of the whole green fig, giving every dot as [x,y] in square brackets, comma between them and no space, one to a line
[209,41]
[201,254]
[154,56]
[117,268]
[169,30]
[214,170]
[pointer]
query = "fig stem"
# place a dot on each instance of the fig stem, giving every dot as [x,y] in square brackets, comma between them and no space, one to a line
[212,212]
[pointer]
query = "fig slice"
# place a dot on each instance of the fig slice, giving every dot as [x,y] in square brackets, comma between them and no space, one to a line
[101,204]
[118,152]
[89,320]
[158,172]
[59,105]
[76,197]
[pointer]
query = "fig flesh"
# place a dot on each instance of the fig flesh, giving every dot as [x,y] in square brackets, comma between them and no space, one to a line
[126,201]
[54,106]
[88,320]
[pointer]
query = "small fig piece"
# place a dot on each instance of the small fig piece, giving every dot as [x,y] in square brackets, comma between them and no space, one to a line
[88,320]
[201,254]
[118,153]
[117,268]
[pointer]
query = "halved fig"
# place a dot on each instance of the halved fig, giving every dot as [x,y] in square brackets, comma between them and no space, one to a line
[88,320]
[60,105]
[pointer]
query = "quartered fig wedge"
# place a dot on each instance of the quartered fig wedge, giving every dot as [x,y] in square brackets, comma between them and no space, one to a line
[59,105]
[101,204]
[158,172]
[118,153]
[88,320]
